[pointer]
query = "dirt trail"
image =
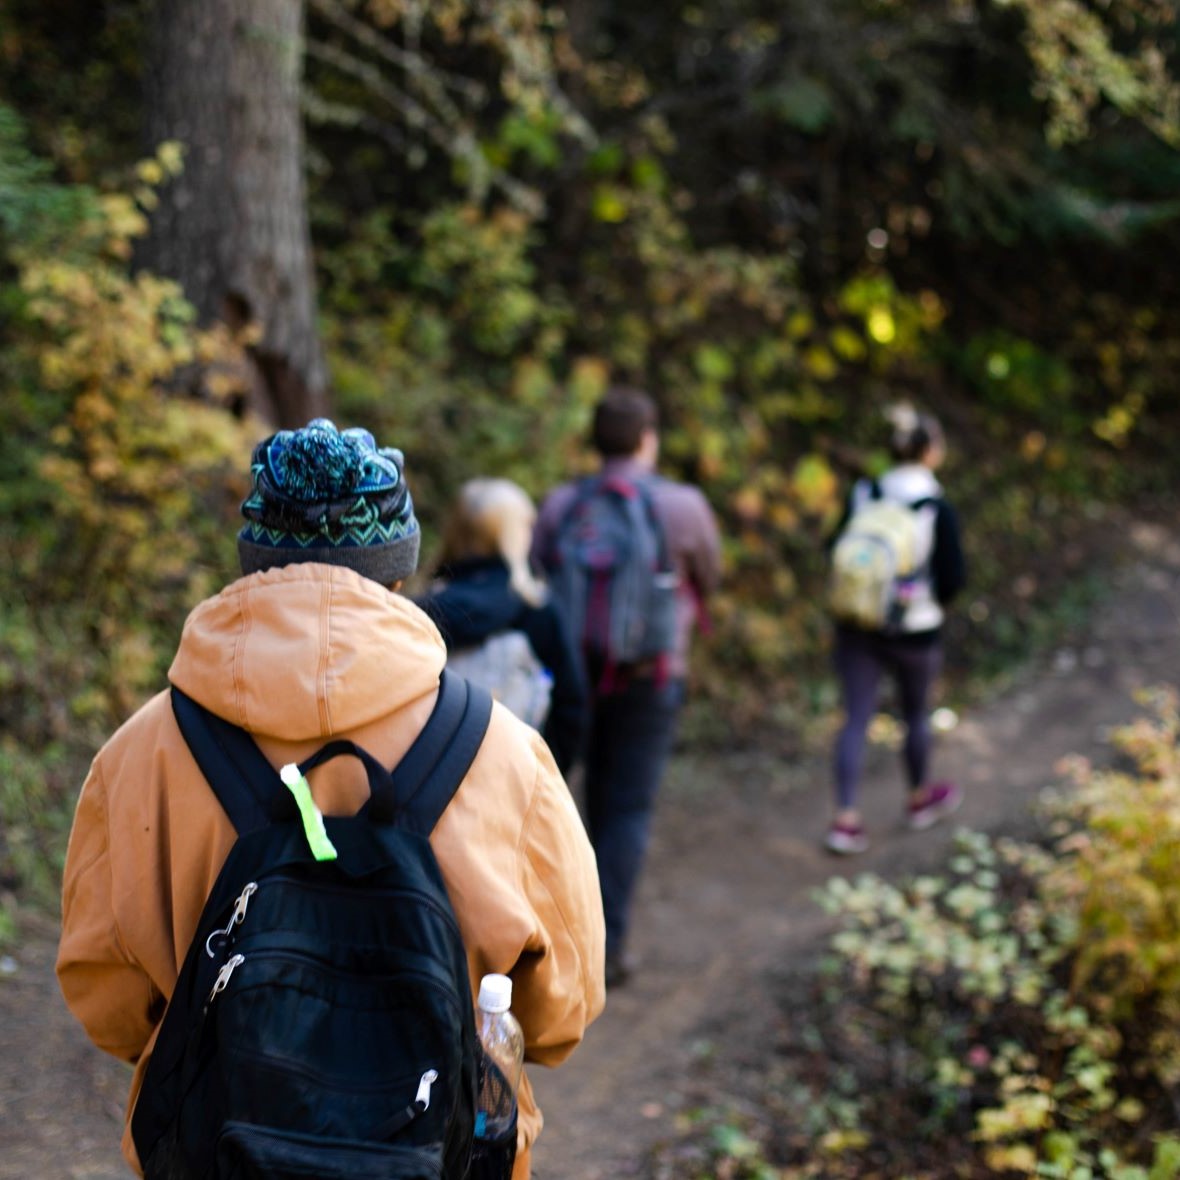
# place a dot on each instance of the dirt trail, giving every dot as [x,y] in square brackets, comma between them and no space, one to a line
[724,902]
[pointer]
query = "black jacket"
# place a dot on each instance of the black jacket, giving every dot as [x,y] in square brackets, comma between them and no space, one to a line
[475,601]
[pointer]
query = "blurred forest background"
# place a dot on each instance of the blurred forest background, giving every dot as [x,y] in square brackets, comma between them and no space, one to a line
[454,222]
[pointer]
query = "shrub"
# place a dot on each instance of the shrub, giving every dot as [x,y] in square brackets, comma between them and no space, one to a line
[116,494]
[1017,1013]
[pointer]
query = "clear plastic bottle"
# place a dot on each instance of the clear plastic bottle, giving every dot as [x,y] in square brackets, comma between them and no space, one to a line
[503,1044]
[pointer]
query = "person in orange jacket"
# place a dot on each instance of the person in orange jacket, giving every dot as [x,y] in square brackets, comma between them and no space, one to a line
[312,643]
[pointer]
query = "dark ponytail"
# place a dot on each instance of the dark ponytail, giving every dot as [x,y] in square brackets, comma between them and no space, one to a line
[912,433]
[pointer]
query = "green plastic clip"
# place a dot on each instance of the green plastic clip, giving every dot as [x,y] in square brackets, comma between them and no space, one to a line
[313,819]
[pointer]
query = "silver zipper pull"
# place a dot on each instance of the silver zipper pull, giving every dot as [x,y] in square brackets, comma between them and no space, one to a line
[241,904]
[239,912]
[423,1097]
[219,984]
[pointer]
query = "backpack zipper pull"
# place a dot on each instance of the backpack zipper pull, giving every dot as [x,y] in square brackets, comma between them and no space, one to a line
[423,1096]
[219,984]
[313,819]
[239,912]
[404,1117]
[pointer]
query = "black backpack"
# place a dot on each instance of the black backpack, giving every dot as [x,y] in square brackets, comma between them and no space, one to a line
[322,1025]
[610,569]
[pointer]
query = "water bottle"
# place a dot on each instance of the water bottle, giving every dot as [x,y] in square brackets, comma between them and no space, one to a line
[502,1061]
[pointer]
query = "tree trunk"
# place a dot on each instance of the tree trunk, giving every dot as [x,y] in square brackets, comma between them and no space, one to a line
[224,79]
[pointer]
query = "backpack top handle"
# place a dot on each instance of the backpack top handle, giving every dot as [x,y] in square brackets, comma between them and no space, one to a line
[413,796]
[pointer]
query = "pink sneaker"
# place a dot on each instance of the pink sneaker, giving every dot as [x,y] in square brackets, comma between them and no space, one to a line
[937,801]
[846,839]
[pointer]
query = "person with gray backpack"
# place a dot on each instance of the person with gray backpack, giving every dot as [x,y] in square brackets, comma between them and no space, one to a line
[502,628]
[896,562]
[631,557]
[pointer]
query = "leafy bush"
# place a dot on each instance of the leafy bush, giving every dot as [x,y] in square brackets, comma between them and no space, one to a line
[1016,1014]
[117,495]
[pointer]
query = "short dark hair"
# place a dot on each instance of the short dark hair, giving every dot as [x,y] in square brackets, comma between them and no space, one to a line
[621,418]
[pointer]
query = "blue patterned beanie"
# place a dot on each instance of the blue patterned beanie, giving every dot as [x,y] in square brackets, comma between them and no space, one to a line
[321,494]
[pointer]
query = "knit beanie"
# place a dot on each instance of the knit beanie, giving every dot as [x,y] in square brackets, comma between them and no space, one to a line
[321,494]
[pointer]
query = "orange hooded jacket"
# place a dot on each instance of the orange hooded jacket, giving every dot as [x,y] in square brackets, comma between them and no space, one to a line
[296,656]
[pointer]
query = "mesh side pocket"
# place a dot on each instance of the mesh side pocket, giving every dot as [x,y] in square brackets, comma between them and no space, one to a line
[492,1157]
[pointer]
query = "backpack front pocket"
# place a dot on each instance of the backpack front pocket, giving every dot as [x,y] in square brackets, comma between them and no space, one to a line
[249,1152]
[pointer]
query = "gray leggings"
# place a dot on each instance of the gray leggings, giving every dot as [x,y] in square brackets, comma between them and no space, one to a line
[860,659]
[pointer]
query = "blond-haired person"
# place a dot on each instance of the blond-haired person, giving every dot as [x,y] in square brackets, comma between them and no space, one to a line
[485,587]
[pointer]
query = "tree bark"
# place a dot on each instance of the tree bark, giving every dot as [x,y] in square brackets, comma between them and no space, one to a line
[224,79]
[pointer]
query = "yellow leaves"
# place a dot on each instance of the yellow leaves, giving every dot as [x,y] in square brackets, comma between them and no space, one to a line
[150,172]
[819,363]
[609,204]
[170,157]
[846,344]
[800,325]
[1018,1158]
[814,485]
[1024,1110]
[713,445]
[122,221]
[1032,445]
[532,382]
[713,363]
[840,1140]
[748,503]
[1116,424]
[881,325]
[588,379]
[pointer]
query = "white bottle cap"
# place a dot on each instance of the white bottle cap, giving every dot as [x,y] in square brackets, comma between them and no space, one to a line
[495,993]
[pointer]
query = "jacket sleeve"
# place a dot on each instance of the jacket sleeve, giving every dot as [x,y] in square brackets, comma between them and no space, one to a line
[110,994]
[557,994]
[949,567]
[702,546]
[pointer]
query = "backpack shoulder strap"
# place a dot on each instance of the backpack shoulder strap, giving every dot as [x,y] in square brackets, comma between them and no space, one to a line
[585,489]
[863,492]
[645,489]
[426,779]
[246,785]
[414,796]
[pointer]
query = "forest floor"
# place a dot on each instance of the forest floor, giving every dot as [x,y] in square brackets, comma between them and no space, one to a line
[723,910]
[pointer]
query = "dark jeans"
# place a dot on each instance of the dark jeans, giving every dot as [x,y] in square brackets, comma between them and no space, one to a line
[861,658]
[631,735]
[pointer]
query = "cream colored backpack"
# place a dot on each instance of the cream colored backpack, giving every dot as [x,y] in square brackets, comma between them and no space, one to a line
[879,558]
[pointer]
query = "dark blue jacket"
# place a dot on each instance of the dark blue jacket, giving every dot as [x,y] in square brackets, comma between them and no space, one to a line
[475,601]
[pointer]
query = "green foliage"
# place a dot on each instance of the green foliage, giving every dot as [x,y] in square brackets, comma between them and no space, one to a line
[32,209]
[1078,65]
[1016,376]
[115,499]
[464,361]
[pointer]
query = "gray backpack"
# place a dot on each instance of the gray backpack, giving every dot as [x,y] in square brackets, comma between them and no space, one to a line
[507,667]
[611,571]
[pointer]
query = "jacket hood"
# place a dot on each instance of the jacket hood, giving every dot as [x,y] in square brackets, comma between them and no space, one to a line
[475,602]
[307,651]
